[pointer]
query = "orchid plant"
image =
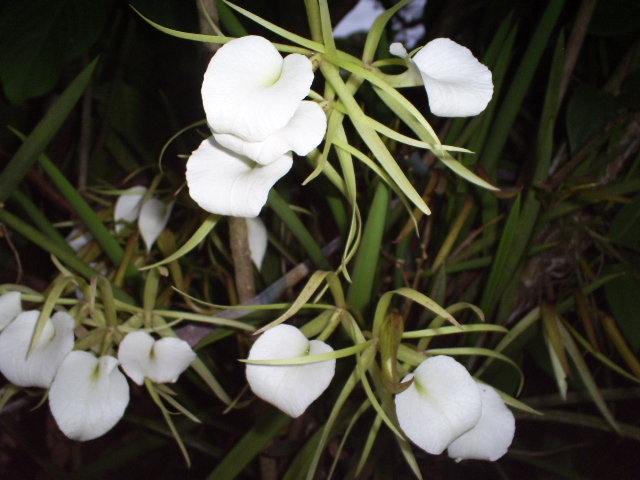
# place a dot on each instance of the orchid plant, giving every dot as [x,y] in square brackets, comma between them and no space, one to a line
[263,115]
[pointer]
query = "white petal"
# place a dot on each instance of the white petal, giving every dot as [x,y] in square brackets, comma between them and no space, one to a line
[249,91]
[491,437]
[154,216]
[88,396]
[225,183]
[291,388]
[397,49]
[457,84]
[128,206]
[161,361]
[303,133]
[55,342]
[10,308]
[441,404]
[258,240]
[79,238]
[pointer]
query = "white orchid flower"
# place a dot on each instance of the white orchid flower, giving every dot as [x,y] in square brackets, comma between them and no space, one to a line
[127,208]
[492,435]
[88,395]
[258,240]
[161,361]
[226,183]
[457,84]
[302,134]
[38,368]
[253,99]
[152,215]
[441,404]
[291,388]
[10,307]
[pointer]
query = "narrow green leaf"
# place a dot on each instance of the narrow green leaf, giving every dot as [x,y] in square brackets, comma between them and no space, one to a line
[40,137]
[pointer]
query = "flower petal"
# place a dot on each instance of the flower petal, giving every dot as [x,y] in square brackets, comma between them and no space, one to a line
[10,308]
[128,206]
[491,437]
[441,404]
[291,388]
[88,395]
[457,84]
[161,361]
[225,183]
[249,91]
[154,216]
[39,368]
[302,134]
[397,49]
[258,240]
[78,238]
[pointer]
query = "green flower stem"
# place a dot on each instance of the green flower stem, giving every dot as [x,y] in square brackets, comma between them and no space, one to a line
[315,22]
[40,137]
[61,253]
[93,223]
[39,219]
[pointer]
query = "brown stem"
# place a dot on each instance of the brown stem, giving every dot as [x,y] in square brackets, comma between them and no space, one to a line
[241,258]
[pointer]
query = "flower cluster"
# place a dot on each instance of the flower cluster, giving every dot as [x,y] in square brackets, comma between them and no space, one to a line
[87,395]
[443,408]
[255,108]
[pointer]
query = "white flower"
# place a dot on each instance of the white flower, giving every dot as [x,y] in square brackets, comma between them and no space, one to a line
[10,308]
[457,84]
[152,216]
[492,435]
[161,361]
[225,183]
[39,368]
[258,240]
[253,101]
[88,395]
[442,403]
[291,388]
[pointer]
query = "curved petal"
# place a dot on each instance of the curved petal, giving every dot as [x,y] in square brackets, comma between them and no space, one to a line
[10,308]
[78,238]
[88,395]
[161,361]
[457,84]
[491,437]
[291,388]
[225,183]
[303,133]
[258,240]
[39,368]
[154,216]
[397,49]
[441,404]
[249,91]
[128,206]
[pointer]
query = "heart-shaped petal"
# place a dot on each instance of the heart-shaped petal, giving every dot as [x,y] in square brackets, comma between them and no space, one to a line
[302,134]
[154,215]
[10,308]
[226,183]
[442,403]
[291,388]
[128,205]
[39,368]
[249,91]
[88,395]
[491,437]
[161,361]
[457,84]
[258,240]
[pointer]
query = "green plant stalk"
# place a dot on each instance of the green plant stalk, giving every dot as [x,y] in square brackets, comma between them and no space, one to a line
[61,253]
[42,134]
[363,276]
[298,229]
[250,445]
